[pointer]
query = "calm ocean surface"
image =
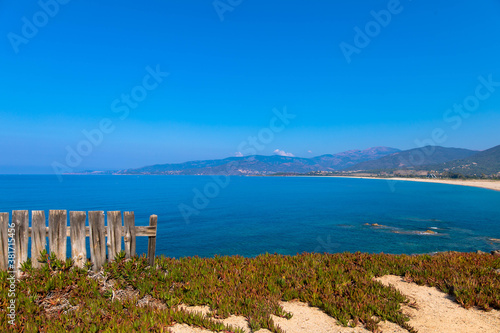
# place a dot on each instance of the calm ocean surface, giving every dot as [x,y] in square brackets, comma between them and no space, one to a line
[287,215]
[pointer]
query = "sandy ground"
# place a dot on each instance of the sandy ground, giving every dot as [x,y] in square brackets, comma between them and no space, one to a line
[489,184]
[305,319]
[435,312]
[438,312]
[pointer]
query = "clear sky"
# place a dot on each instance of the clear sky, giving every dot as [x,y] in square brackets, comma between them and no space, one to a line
[353,77]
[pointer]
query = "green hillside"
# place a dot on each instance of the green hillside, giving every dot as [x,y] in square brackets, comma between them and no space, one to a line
[414,158]
[485,162]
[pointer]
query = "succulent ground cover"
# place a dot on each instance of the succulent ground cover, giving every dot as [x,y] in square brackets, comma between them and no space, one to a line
[128,295]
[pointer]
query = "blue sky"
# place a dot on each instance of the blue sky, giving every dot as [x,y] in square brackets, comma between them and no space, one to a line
[226,76]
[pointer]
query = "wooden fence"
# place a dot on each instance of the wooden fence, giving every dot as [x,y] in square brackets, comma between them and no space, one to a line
[58,232]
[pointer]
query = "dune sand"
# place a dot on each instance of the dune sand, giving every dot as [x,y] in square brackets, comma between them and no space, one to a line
[432,311]
[439,312]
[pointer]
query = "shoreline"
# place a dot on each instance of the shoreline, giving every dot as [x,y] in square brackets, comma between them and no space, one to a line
[487,184]
[481,183]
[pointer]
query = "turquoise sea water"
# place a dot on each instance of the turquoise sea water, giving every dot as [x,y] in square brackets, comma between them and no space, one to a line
[288,215]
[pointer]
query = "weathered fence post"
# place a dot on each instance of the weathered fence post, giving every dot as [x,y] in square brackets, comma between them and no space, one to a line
[4,247]
[97,241]
[38,236]
[114,234]
[130,234]
[77,236]
[153,221]
[58,222]
[58,232]
[21,220]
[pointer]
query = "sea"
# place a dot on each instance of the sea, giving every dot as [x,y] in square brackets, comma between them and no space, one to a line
[220,215]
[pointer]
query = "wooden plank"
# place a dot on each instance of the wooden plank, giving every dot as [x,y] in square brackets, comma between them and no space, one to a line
[129,234]
[145,231]
[97,240]
[114,234]
[153,221]
[58,222]
[4,241]
[140,231]
[38,236]
[78,248]
[20,219]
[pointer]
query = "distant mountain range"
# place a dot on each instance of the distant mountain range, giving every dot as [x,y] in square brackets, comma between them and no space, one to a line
[262,165]
[373,160]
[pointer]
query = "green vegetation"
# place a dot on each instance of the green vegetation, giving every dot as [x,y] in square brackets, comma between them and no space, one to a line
[485,164]
[414,158]
[59,297]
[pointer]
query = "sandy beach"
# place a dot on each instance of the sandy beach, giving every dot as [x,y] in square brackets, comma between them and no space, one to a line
[489,184]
